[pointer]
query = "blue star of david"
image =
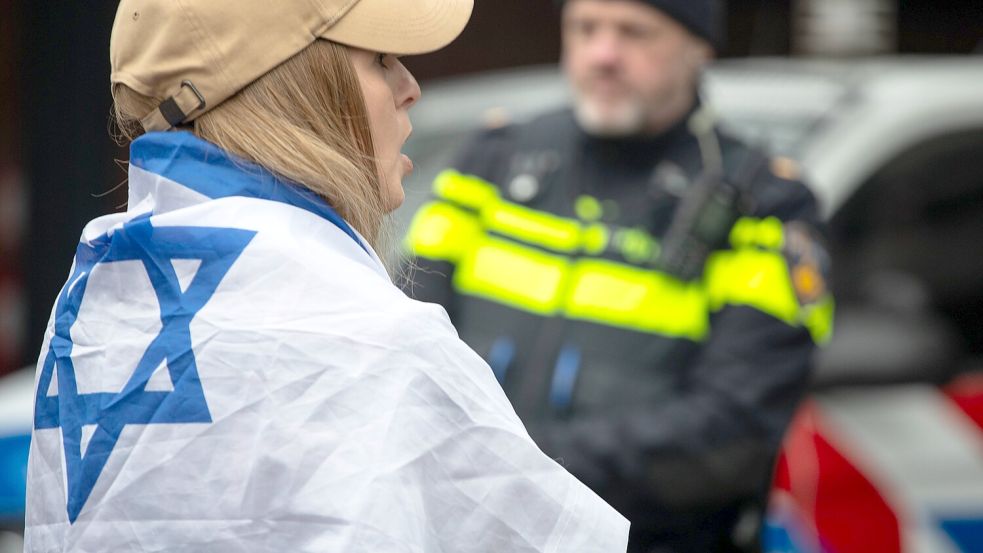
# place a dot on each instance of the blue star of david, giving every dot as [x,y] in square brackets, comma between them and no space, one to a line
[155,247]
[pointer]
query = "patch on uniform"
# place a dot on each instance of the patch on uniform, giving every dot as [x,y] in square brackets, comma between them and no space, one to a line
[808,262]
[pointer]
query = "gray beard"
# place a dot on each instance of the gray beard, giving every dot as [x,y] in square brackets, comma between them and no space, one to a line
[628,120]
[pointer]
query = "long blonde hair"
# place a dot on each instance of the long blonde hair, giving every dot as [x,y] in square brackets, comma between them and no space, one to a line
[305,121]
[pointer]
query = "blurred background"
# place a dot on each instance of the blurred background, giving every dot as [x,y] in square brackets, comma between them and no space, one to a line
[880,102]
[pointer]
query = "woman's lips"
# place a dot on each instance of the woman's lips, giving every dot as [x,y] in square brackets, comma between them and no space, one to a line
[407,164]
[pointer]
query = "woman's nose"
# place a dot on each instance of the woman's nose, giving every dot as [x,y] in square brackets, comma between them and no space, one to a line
[408,90]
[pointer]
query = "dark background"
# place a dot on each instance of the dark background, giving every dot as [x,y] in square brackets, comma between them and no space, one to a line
[57,168]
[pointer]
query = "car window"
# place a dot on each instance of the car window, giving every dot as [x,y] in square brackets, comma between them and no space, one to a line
[909,240]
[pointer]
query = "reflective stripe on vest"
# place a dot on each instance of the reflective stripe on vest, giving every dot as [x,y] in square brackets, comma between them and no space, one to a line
[643,300]
[443,232]
[462,231]
[587,289]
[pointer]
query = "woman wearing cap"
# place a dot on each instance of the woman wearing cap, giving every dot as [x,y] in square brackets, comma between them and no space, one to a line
[229,367]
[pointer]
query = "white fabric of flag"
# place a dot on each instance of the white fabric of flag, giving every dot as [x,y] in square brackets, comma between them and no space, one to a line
[229,368]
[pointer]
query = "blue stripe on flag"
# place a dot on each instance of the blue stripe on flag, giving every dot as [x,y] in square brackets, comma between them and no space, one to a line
[207,169]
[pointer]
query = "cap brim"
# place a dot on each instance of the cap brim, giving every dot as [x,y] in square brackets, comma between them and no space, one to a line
[401,27]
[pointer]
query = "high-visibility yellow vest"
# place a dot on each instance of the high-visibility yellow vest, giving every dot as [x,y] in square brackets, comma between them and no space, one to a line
[550,265]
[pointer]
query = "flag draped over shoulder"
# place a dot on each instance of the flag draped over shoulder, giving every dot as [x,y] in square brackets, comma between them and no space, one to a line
[229,368]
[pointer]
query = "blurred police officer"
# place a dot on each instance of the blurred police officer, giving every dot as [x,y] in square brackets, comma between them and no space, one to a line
[648,290]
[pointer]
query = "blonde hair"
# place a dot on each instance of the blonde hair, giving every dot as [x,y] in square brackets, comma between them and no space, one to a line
[304,121]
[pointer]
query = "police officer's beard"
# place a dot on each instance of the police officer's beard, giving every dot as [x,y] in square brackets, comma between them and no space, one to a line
[625,119]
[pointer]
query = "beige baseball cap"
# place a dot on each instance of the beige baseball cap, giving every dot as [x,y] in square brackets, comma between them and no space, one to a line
[198,53]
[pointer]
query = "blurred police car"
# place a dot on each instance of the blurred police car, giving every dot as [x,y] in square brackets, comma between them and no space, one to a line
[887,454]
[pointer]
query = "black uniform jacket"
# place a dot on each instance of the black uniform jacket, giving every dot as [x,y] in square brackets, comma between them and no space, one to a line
[668,397]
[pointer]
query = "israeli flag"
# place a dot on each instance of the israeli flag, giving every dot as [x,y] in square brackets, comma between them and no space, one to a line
[229,368]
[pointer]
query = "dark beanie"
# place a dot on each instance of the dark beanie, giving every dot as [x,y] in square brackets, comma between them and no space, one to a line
[704,18]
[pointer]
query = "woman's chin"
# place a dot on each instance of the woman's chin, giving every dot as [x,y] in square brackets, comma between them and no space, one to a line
[395,197]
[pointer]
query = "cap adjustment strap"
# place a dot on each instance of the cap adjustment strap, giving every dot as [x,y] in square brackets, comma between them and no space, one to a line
[174,110]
